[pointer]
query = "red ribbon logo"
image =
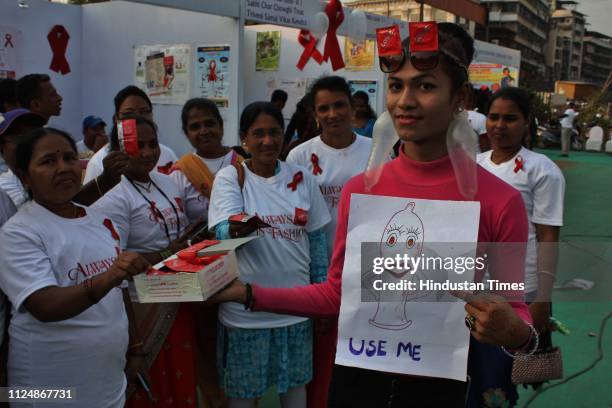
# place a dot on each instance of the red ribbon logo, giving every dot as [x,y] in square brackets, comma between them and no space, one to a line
[297,179]
[212,71]
[109,224]
[155,212]
[179,203]
[316,169]
[332,48]
[8,41]
[58,40]
[307,40]
[518,164]
[166,168]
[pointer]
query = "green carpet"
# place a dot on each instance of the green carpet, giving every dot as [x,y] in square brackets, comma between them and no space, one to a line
[588,218]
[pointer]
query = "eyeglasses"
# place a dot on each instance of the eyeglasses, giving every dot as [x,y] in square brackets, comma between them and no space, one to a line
[421,60]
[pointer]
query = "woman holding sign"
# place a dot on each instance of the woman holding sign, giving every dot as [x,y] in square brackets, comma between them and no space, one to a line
[427,88]
[62,271]
[149,215]
[282,205]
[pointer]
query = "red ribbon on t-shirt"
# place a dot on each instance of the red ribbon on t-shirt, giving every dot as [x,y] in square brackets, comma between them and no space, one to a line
[109,224]
[58,40]
[316,169]
[179,203]
[212,71]
[518,164]
[155,211]
[332,47]
[8,41]
[166,168]
[307,40]
[297,179]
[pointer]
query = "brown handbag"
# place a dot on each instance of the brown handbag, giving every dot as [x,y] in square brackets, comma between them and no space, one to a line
[538,367]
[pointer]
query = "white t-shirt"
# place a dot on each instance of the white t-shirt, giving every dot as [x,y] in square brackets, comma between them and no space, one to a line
[3,166]
[542,187]
[140,227]
[568,120]
[196,205]
[11,185]
[7,210]
[281,256]
[95,166]
[338,166]
[40,249]
[84,151]
[478,122]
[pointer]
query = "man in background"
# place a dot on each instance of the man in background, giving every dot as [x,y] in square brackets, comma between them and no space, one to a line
[36,93]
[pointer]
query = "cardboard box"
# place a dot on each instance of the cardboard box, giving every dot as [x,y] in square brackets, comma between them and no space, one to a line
[192,287]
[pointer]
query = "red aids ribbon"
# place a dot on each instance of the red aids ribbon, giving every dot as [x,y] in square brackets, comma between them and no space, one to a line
[518,164]
[166,168]
[423,36]
[179,203]
[109,224]
[8,41]
[307,40]
[297,179]
[332,48]
[58,40]
[316,169]
[154,211]
[212,71]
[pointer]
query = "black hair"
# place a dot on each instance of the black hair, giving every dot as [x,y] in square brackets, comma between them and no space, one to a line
[279,96]
[130,90]
[332,83]
[114,135]
[519,96]
[365,98]
[252,111]
[28,88]
[7,93]
[453,39]
[27,143]
[200,103]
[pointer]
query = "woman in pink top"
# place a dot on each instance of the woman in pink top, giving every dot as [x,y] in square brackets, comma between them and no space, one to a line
[422,103]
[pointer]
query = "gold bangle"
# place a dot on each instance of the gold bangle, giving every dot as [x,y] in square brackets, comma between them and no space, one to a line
[552,275]
[98,186]
[135,345]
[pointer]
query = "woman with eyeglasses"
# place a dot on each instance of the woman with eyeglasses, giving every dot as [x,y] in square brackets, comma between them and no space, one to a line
[260,350]
[149,214]
[425,94]
[62,271]
[194,173]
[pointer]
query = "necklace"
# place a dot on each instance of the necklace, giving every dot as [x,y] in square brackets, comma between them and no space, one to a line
[146,187]
[221,165]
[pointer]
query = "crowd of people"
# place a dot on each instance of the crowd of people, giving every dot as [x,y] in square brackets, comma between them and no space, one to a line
[73,236]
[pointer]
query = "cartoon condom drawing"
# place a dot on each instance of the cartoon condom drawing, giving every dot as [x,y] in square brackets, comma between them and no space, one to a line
[403,234]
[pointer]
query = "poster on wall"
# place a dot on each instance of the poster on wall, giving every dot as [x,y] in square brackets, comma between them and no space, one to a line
[213,73]
[163,72]
[494,66]
[11,52]
[370,87]
[359,55]
[267,53]
[296,88]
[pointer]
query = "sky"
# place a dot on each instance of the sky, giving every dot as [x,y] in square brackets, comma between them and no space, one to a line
[599,15]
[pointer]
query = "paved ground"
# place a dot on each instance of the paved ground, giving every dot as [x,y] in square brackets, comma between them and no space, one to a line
[588,225]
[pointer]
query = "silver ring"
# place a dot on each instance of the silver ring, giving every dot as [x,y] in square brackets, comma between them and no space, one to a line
[470,322]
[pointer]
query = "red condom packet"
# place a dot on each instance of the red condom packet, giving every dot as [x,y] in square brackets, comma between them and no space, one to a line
[388,41]
[423,36]
[128,137]
[247,219]
[300,217]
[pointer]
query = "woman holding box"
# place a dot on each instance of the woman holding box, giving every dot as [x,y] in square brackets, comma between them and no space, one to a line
[62,271]
[148,210]
[426,92]
[259,350]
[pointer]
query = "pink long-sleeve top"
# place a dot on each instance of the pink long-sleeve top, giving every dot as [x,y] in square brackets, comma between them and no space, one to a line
[502,220]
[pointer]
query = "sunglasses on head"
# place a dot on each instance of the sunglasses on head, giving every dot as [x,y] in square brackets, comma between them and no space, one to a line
[421,60]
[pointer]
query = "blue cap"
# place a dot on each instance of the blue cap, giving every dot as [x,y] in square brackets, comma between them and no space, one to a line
[7,119]
[92,121]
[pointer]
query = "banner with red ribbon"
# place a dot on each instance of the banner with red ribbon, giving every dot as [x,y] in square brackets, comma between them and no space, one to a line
[58,40]
[332,51]
[11,58]
[309,42]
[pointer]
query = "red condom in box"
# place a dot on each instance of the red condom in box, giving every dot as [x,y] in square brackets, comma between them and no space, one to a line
[300,217]
[389,41]
[423,36]
[128,137]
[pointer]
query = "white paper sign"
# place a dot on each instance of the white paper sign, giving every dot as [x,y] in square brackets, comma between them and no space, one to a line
[404,331]
[11,52]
